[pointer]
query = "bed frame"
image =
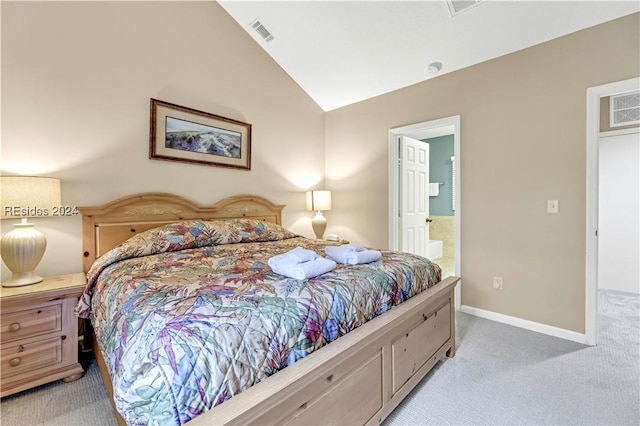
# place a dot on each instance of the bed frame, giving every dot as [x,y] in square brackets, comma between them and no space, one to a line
[357,379]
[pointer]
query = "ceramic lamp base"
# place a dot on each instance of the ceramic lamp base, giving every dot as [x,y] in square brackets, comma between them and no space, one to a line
[319,224]
[22,249]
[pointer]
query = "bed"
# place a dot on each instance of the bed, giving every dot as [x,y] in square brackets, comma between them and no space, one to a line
[191,325]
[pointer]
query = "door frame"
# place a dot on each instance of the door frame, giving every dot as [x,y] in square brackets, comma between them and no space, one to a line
[591,258]
[424,130]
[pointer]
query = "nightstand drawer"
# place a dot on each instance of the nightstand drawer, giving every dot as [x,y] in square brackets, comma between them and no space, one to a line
[31,322]
[39,333]
[30,356]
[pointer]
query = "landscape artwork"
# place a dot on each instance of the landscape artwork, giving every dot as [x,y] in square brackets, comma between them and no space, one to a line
[189,135]
[194,137]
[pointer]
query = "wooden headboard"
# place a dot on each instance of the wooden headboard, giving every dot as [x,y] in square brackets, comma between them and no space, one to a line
[106,226]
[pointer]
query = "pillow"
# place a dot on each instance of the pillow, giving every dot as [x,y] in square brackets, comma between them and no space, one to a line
[180,236]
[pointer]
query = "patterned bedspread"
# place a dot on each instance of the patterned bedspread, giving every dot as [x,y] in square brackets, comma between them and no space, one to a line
[190,314]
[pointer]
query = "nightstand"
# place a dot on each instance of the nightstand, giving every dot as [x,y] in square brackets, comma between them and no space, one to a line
[39,333]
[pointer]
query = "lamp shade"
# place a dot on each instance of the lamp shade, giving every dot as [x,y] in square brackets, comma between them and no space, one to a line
[23,196]
[318,200]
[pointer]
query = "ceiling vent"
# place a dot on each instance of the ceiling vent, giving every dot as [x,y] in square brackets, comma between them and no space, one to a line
[260,29]
[459,6]
[624,109]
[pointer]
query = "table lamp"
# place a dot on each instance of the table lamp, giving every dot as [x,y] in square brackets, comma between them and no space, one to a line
[319,201]
[22,249]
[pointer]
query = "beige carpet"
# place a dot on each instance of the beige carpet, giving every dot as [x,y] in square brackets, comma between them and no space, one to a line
[500,375]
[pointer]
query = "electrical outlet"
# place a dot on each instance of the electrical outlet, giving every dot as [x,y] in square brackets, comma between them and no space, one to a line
[552,206]
[497,283]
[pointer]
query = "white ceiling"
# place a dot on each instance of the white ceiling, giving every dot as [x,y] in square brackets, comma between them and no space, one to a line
[341,52]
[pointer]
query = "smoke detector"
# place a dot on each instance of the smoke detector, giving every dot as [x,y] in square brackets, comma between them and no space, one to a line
[434,68]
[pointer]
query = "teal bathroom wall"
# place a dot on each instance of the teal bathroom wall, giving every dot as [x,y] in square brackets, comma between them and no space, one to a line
[441,149]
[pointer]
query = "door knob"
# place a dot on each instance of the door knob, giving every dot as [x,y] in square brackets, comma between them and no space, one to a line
[428,220]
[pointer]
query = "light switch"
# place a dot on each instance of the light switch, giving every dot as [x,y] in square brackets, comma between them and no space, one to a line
[552,206]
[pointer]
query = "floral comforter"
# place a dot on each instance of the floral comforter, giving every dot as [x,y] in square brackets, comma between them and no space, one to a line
[189,314]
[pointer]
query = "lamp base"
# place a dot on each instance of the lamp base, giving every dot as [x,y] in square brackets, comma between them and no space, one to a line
[319,224]
[21,251]
[22,278]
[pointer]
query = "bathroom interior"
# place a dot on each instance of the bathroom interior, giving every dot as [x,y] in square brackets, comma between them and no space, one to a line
[441,247]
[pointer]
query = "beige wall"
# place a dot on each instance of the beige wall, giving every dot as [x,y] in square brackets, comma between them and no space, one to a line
[76,82]
[523,142]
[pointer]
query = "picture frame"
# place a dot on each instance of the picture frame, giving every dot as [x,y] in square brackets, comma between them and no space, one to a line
[188,135]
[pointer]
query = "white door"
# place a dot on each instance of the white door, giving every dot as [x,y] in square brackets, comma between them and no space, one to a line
[414,181]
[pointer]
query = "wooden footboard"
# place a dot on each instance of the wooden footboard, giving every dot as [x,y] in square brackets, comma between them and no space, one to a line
[358,379]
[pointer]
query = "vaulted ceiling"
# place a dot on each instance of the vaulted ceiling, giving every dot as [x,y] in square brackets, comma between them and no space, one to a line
[342,52]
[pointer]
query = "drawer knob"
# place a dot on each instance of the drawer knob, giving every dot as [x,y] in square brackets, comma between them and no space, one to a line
[15,327]
[14,362]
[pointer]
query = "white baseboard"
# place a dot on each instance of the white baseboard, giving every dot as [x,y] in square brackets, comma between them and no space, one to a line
[526,324]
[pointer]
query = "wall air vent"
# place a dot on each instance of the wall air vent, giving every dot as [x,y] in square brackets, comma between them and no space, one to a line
[624,109]
[459,6]
[260,29]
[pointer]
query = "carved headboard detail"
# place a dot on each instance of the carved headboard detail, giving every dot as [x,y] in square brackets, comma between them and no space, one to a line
[106,226]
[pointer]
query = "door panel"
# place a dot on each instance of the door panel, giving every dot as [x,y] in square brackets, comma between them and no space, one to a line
[414,181]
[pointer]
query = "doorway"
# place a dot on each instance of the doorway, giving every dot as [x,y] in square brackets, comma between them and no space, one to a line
[421,131]
[619,211]
[593,135]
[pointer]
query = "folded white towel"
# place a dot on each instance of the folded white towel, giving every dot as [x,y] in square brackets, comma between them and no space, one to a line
[300,264]
[302,255]
[296,255]
[339,253]
[313,268]
[302,270]
[365,256]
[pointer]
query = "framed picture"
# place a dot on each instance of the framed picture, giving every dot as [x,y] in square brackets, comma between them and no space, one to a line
[184,134]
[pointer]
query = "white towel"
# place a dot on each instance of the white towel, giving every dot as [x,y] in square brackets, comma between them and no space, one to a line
[296,255]
[313,268]
[339,253]
[300,264]
[303,270]
[366,256]
[302,255]
[434,189]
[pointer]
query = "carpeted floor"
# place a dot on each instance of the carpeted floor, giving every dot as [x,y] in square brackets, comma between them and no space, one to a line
[501,375]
